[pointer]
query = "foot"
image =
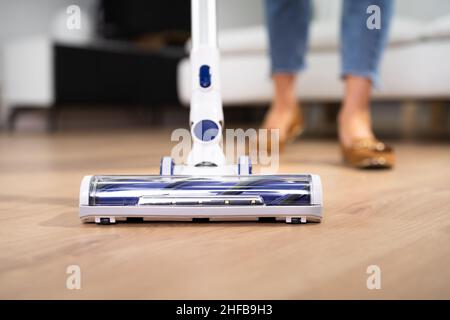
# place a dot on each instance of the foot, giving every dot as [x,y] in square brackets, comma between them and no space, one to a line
[288,119]
[354,126]
[359,146]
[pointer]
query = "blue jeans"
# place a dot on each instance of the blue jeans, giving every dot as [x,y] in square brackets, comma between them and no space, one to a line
[361,47]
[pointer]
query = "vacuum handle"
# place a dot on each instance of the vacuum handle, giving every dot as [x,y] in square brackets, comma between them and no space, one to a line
[206,99]
[203,23]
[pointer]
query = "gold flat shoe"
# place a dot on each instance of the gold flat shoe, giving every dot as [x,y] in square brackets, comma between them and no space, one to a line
[368,153]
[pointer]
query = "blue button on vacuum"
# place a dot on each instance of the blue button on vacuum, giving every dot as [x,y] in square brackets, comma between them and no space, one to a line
[205,76]
[206,130]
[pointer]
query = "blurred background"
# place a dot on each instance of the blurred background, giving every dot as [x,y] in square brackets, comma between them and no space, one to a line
[127,66]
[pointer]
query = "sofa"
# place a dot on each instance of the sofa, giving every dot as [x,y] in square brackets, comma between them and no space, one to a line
[415,68]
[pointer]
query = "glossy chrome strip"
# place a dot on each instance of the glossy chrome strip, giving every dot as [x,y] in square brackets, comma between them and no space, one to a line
[200,200]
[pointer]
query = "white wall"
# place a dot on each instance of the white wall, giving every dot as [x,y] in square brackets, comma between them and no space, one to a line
[423,9]
[29,17]
[23,18]
[234,13]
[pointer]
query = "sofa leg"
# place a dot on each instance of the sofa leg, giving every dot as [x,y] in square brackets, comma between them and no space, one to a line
[410,114]
[330,114]
[11,119]
[438,118]
[52,119]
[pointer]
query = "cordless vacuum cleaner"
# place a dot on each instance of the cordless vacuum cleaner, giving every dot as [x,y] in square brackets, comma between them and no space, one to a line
[205,188]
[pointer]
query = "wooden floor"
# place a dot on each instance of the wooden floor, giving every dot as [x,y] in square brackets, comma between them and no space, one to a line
[398,220]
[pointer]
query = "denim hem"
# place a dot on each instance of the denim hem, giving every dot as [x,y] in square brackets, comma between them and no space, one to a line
[287,70]
[372,76]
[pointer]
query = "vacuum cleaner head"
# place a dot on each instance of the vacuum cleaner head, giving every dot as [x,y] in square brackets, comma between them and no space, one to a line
[204,188]
[289,198]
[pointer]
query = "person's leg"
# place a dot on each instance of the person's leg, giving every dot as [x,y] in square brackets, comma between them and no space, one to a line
[361,51]
[284,112]
[287,22]
[354,117]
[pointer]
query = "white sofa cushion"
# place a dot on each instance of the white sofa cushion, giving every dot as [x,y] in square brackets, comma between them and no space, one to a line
[324,35]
